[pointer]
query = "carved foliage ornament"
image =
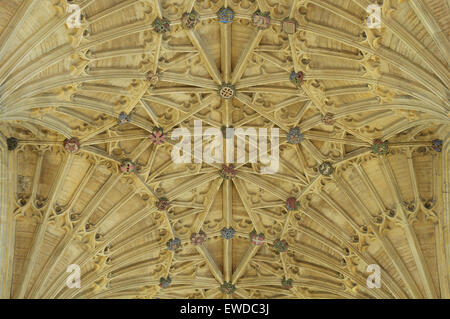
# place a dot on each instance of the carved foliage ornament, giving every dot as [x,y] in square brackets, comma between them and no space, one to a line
[289,26]
[294,136]
[257,239]
[292,204]
[157,136]
[326,169]
[297,78]
[379,147]
[280,245]
[198,238]
[228,233]
[261,20]
[437,145]
[72,145]
[227,288]
[174,244]
[225,15]
[165,282]
[189,20]
[161,25]
[227,171]
[127,166]
[12,143]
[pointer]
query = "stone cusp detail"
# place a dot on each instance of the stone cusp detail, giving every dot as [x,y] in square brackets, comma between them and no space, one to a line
[261,20]
[72,145]
[198,238]
[225,15]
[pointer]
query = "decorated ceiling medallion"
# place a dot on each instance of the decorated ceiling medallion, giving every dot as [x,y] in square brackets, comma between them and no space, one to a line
[72,145]
[437,145]
[227,171]
[227,91]
[165,282]
[328,119]
[163,203]
[123,118]
[227,134]
[12,143]
[286,283]
[157,136]
[225,15]
[297,78]
[292,204]
[294,136]
[326,169]
[227,288]
[379,147]
[174,244]
[198,238]
[161,25]
[189,20]
[227,233]
[152,78]
[280,245]
[257,239]
[127,166]
[261,20]
[289,26]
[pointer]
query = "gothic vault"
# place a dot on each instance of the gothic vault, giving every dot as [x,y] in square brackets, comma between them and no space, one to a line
[90,92]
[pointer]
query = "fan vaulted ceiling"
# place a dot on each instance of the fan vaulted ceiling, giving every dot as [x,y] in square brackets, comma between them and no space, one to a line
[361,86]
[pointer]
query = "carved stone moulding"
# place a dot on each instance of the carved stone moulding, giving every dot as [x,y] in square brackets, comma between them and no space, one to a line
[165,282]
[225,15]
[227,233]
[257,239]
[12,143]
[297,78]
[326,169]
[227,288]
[261,20]
[437,145]
[286,283]
[127,166]
[163,203]
[174,244]
[328,119]
[289,26]
[292,204]
[227,134]
[227,91]
[198,238]
[294,136]
[189,20]
[161,25]
[123,118]
[72,145]
[227,171]
[157,136]
[280,245]
[379,147]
